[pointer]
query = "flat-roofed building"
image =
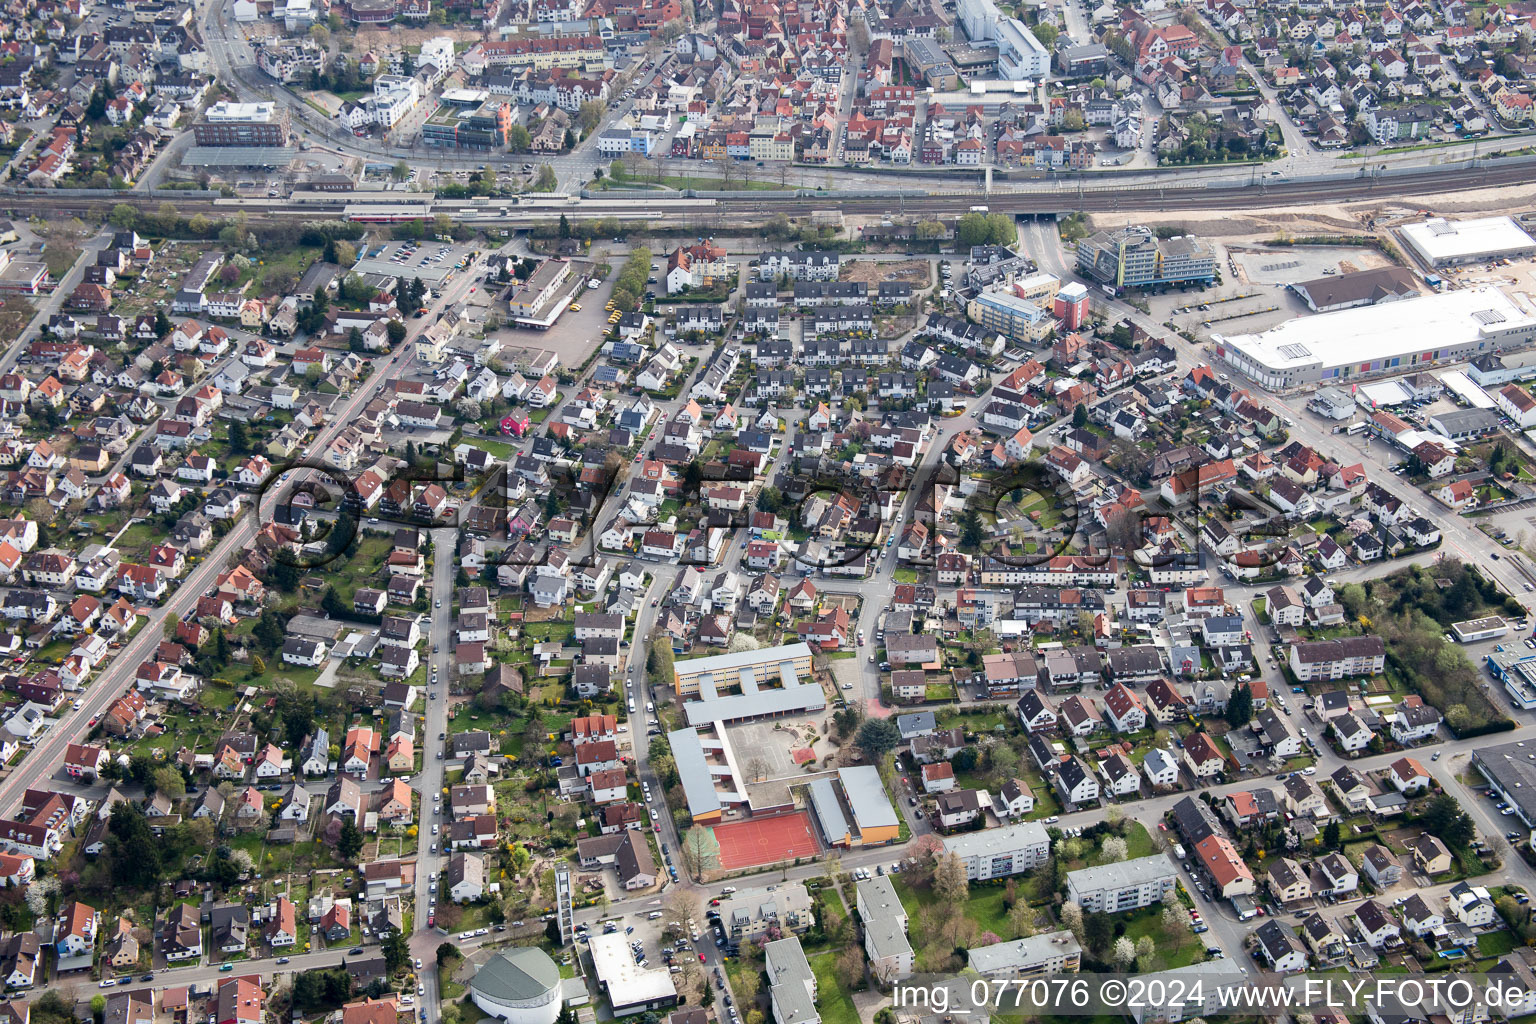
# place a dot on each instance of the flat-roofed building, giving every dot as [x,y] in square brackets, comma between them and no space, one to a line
[852,808]
[630,987]
[998,852]
[1125,885]
[791,982]
[885,929]
[1046,953]
[242,124]
[1444,243]
[745,670]
[1396,337]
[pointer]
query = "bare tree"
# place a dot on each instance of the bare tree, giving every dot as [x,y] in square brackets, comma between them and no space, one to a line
[949,881]
[700,851]
[680,911]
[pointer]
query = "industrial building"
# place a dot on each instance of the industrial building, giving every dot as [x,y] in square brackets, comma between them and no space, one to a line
[531,296]
[1395,337]
[1445,243]
[1510,769]
[242,124]
[1133,257]
[1365,288]
[852,809]
[1516,670]
[1465,424]
[1487,628]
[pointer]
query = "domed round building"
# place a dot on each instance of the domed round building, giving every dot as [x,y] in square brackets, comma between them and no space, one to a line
[521,985]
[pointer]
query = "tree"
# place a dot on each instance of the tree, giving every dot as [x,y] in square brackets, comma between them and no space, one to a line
[1175,925]
[1113,850]
[396,950]
[239,437]
[681,910]
[1331,835]
[1046,33]
[50,1008]
[972,532]
[1098,929]
[545,180]
[849,966]
[350,842]
[1072,918]
[1021,918]
[170,782]
[446,951]
[1445,818]
[658,663]
[590,115]
[132,847]
[700,851]
[123,217]
[1080,417]
[877,736]
[1124,954]
[518,139]
[949,881]
[354,342]
[1146,954]
[519,859]
[1239,710]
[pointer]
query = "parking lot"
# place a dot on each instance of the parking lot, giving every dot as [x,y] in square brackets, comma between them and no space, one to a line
[647,944]
[434,262]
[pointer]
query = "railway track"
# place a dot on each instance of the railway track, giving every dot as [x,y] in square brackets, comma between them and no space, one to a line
[653,206]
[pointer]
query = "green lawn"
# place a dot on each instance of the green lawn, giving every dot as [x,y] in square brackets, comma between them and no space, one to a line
[985,907]
[1496,943]
[906,575]
[836,1005]
[1149,921]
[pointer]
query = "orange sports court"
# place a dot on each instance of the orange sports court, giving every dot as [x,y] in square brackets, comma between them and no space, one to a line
[759,841]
